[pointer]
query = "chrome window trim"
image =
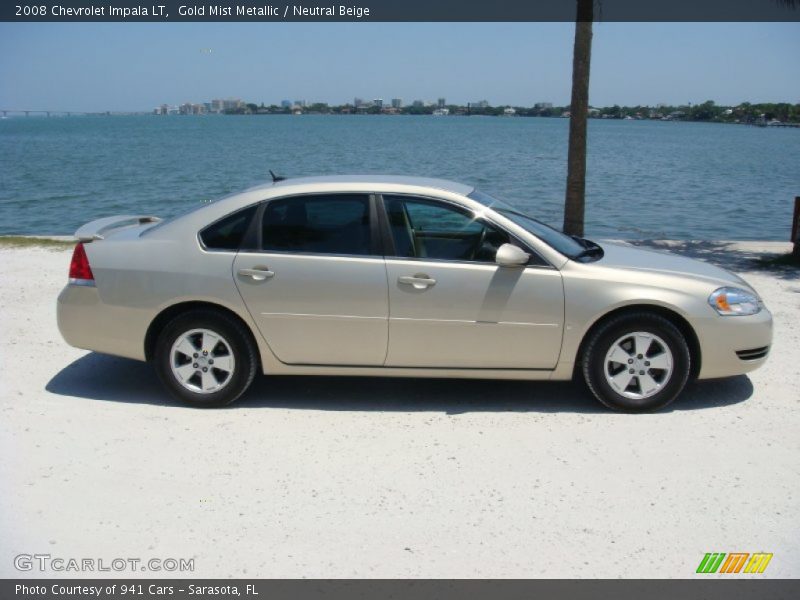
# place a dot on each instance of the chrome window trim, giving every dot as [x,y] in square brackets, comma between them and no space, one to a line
[448,261]
[312,254]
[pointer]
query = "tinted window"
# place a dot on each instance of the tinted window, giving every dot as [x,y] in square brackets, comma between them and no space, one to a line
[227,234]
[332,224]
[428,229]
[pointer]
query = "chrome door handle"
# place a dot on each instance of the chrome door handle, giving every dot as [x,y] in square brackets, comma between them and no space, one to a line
[420,282]
[258,274]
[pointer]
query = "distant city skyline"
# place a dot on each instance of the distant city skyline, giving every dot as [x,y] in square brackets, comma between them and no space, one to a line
[136,67]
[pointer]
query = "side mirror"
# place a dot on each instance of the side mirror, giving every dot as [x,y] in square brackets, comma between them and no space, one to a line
[509,255]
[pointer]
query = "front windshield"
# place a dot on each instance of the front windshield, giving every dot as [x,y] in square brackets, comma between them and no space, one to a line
[565,244]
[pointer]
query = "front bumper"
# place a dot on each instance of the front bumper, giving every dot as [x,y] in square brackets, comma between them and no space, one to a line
[733,345]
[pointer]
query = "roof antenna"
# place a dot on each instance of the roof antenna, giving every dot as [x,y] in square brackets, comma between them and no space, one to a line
[276,178]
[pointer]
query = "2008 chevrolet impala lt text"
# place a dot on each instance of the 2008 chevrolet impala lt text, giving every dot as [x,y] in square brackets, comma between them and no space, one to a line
[400,276]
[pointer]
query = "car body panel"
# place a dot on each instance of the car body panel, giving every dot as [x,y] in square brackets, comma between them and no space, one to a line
[475,316]
[646,261]
[595,290]
[536,317]
[349,328]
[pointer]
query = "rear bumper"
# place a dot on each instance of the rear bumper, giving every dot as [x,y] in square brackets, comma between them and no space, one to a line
[734,345]
[86,322]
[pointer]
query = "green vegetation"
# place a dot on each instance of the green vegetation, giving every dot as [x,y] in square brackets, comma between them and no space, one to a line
[708,111]
[21,241]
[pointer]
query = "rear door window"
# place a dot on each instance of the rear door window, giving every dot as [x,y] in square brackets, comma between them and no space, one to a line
[318,224]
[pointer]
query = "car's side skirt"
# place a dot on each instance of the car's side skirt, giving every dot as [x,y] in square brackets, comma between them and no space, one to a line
[520,374]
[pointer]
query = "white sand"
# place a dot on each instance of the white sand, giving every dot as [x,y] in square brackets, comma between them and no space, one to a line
[322,477]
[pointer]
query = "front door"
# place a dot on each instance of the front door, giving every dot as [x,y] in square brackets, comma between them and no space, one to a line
[452,306]
[316,287]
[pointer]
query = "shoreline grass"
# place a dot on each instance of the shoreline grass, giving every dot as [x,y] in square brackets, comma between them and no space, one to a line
[24,241]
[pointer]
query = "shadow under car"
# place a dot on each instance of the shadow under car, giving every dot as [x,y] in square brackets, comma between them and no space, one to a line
[100,377]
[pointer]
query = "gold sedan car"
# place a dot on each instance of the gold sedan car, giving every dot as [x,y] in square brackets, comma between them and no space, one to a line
[400,277]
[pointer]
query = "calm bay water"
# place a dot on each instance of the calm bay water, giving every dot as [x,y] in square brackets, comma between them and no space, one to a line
[645,179]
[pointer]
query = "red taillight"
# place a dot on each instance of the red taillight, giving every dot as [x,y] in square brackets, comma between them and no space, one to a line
[79,268]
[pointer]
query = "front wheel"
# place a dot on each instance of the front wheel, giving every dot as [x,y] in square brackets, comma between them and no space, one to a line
[205,358]
[637,362]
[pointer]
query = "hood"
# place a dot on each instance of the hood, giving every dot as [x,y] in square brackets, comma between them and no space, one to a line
[655,261]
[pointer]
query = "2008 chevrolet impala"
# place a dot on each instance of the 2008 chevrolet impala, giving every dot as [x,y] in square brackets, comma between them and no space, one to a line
[399,276]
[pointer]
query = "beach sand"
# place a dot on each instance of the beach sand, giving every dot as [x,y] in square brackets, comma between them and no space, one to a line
[345,477]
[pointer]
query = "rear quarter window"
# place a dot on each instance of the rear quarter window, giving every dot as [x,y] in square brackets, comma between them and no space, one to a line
[228,232]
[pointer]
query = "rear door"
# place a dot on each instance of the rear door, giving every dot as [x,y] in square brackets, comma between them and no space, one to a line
[452,306]
[316,284]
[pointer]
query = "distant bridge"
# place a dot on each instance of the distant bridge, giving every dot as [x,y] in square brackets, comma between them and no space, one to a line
[27,112]
[61,113]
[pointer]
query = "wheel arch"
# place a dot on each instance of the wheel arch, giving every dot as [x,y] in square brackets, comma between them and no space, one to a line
[167,314]
[672,316]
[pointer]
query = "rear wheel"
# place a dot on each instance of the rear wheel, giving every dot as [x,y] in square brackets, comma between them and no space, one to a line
[637,362]
[205,358]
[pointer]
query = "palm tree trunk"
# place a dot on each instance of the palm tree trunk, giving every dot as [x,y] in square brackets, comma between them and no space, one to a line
[579,106]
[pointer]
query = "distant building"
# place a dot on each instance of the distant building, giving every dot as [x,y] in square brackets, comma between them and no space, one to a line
[232,104]
[542,105]
[286,104]
[480,104]
[397,103]
[418,104]
[357,102]
[300,103]
[441,102]
[378,102]
[217,106]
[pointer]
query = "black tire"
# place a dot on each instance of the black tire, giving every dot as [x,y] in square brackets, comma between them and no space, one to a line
[606,335]
[236,338]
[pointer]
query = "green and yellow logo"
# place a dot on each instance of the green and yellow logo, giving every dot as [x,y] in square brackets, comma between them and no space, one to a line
[735,562]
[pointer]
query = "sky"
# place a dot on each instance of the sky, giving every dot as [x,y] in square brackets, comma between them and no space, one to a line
[136,66]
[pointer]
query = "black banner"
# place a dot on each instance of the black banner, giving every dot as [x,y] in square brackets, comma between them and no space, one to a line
[376,589]
[397,10]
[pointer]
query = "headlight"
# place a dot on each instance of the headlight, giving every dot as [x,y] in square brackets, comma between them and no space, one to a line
[730,301]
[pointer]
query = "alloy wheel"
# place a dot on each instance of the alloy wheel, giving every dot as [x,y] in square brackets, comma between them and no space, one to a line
[638,365]
[202,361]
